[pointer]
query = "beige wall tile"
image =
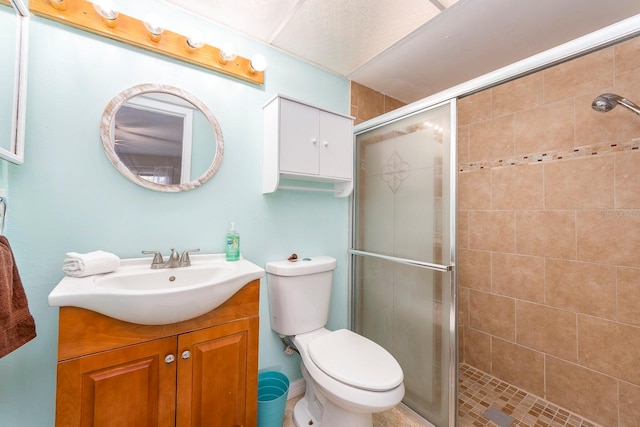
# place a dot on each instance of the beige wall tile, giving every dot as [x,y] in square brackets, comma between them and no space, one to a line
[581,287]
[477,350]
[549,330]
[492,314]
[391,104]
[492,139]
[629,404]
[518,365]
[474,190]
[582,391]
[627,180]
[609,347]
[517,187]
[370,103]
[609,236]
[463,306]
[627,56]
[546,233]
[517,95]
[463,144]
[475,269]
[584,183]
[518,276]
[546,128]
[354,111]
[462,224]
[580,76]
[474,108]
[615,127]
[629,295]
[492,231]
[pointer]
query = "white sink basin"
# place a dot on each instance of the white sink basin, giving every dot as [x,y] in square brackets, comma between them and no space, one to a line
[135,293]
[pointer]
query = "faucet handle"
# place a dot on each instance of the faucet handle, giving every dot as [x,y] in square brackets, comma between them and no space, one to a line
[185,261]
[157,257]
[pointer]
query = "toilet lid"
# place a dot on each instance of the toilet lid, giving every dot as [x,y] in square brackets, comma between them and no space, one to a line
[355,360]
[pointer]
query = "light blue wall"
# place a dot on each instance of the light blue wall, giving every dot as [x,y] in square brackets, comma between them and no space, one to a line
[68,197]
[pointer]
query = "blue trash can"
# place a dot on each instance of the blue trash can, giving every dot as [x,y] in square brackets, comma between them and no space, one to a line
[272,398]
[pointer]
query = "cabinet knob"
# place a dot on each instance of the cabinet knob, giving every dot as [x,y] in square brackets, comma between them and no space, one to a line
[186,354]
[169,358]
[314,141]
[325,143]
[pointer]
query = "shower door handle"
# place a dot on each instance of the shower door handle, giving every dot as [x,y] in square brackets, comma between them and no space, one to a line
[412,262]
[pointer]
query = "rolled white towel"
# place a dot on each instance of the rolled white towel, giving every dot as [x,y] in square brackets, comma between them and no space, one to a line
[97,262]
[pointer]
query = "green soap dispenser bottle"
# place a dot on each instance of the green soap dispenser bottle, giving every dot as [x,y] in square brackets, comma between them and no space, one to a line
[232,248]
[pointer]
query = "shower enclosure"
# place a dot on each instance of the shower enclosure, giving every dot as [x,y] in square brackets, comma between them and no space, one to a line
[403,250]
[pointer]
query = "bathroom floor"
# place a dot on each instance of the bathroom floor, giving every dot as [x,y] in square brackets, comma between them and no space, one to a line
[477,393]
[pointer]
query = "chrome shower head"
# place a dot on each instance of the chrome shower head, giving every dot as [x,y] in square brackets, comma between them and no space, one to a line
[608,101]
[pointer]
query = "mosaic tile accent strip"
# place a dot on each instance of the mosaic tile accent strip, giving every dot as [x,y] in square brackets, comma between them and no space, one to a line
[587,150]
[479,391]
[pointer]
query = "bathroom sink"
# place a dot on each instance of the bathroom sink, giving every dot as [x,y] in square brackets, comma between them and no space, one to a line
[135,293]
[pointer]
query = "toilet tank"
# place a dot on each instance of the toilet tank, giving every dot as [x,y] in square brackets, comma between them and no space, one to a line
[300,294]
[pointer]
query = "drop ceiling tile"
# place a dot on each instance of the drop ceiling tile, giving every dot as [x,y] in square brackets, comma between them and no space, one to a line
[256,18]
[448,3]
[342,35]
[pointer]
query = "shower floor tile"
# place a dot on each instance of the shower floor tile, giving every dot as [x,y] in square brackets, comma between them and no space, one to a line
[477,392]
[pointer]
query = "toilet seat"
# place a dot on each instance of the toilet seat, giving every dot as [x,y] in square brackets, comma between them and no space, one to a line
[355,360]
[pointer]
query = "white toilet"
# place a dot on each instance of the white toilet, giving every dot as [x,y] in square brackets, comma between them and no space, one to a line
[348,377]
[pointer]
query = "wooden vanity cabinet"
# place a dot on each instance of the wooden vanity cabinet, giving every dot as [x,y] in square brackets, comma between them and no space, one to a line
[200,372]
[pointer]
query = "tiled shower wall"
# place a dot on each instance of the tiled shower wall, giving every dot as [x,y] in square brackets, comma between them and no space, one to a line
[549,235]
[367,103]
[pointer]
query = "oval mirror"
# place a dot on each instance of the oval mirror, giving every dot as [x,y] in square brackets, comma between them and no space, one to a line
[161,138]
[13,78]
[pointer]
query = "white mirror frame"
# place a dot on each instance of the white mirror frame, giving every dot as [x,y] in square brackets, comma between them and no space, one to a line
[16,154]
[106,136]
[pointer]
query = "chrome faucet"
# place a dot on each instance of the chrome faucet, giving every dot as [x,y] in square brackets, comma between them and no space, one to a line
[174,260]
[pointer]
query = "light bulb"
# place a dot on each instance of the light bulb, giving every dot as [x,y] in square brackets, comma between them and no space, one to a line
[154,25]
[106,9]
[58,4]
[228,53]
[258,63]
[195,39]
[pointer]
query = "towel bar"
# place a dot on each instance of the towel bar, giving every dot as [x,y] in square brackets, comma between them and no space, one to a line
[3,213]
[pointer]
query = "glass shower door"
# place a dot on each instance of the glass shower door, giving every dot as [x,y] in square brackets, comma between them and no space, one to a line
[404,284]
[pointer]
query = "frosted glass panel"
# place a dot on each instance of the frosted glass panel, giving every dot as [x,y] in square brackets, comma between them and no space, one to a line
[402,210]
[400,187]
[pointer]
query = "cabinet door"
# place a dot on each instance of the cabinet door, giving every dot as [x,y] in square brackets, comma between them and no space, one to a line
[298,138]
[336,146]
[218,376]
[131,386]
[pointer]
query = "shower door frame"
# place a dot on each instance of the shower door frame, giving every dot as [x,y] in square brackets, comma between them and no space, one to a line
[396,115]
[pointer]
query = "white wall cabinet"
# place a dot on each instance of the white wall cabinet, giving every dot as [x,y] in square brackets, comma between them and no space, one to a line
[306,143]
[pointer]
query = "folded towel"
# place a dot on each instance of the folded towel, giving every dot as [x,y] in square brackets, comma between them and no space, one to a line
[17,326]
[97,262]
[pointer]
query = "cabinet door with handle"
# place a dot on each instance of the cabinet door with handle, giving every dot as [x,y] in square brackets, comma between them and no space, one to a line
[336,146]
[299,133]
[130,386]
[217,376]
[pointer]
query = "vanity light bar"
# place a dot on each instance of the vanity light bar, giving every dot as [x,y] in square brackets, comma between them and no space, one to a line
[81,14]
